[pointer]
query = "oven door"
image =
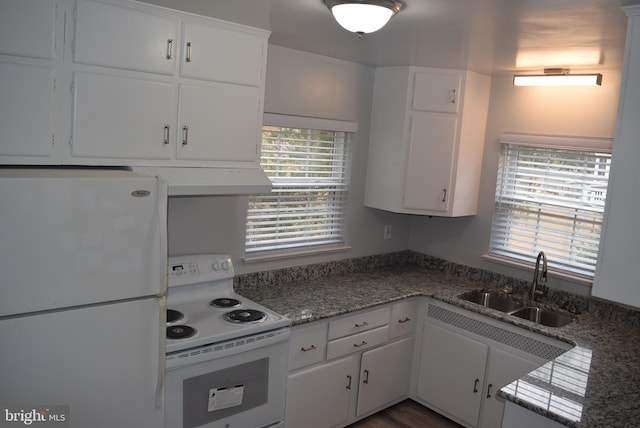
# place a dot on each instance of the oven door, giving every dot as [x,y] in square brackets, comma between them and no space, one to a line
[242,390]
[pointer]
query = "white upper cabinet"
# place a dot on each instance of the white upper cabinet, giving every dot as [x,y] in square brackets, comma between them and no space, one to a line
[134,118]
[118,36]
[26,110]
[138,85]
[28,28]
[437,92]
[427,140]
[222,55]
[219,122]
[30,35]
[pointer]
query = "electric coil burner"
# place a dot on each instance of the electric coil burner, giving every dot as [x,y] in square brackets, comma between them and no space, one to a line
[245,315]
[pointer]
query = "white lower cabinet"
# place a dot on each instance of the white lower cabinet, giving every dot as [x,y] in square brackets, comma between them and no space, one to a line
[320,396]
[361,373]
[451,373]
[502,368]
[384,375]
[465,358]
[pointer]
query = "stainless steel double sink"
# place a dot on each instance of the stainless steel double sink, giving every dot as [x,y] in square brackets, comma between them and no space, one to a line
[517,308]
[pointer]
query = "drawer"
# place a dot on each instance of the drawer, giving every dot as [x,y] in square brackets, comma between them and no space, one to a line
[357,342]
[403,318]
[307,346]
[359,323]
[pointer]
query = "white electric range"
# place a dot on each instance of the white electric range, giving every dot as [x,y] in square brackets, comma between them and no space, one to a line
[226,355]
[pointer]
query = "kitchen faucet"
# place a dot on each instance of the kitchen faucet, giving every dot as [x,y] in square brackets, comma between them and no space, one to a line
[543,280]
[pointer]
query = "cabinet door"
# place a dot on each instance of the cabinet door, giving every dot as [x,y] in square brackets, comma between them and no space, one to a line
[222,55]
[26,110]
[437,92]
[27,28]
[123,118]
[384,375]
[219,122]
[430,162]
[319,397]
[121,37]
[451,373]
[503,368]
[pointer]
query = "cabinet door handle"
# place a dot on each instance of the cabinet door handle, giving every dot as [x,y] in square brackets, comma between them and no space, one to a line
[169,48]
[444,195]
[475,386]
[452,94]
[489,390]
[406,319]
[310,348]
[366,377]
[185,135]
[356,345]
[349,381]
[167,128]
[188,56]
[364,324]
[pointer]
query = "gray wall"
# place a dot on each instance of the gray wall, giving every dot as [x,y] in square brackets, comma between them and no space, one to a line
[582,111]
[297,83]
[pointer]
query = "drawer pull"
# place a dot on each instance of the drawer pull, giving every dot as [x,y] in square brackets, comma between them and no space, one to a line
[356,345]
[366,377]
[349,384]
[310,348]
[489,390]
[364,324]
[475,386]
[167,129]
[406,319]
[185,135]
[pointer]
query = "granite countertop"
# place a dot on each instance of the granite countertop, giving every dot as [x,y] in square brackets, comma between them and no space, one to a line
[595,384]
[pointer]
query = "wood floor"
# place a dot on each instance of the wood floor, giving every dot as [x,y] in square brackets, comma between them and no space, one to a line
[407,414]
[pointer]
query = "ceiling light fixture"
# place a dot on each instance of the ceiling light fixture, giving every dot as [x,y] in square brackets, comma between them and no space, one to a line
[363,16]
[558,77]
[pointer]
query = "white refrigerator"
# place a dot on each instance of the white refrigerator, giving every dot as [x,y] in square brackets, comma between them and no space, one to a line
[82,296]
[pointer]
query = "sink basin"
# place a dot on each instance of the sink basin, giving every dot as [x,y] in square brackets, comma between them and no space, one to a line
[491,300]
[542,316]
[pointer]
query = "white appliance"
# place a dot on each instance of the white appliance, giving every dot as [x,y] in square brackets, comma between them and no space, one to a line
[226,355]
[82,295]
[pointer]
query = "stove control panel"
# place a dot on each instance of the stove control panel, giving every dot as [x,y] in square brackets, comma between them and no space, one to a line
[196,268]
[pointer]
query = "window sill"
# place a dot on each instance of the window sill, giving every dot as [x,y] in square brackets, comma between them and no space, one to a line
[529,266]
[295,252]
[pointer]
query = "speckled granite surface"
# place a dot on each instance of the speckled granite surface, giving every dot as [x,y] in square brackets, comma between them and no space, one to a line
[602,388]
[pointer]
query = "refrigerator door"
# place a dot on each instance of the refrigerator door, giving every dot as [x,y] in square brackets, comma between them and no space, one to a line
[104,362]
[74,237]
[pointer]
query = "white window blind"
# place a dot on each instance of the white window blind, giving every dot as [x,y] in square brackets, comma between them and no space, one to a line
[551,200]
[309,170]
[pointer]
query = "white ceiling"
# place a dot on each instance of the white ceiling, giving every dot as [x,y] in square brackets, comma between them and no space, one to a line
[489,36]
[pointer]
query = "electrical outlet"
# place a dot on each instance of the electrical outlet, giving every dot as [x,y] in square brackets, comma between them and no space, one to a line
[387,231]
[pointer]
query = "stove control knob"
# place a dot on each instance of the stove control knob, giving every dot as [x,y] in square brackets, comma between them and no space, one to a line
[225,265]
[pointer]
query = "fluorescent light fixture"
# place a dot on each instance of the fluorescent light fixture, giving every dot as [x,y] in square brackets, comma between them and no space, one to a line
[558,77]
[363,16]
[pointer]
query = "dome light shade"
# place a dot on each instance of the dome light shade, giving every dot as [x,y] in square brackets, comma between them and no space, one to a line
[363,16]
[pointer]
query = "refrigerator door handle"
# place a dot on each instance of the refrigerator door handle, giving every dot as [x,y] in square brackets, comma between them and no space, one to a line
[162,360]
[162,224]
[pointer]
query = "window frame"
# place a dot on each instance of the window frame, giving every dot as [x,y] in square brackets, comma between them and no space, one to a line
[256,253]
[557,265]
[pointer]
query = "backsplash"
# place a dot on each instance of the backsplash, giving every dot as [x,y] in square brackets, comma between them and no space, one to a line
[566,301]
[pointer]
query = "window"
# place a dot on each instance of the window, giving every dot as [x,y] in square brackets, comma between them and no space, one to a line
[309,170]
[550,197]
